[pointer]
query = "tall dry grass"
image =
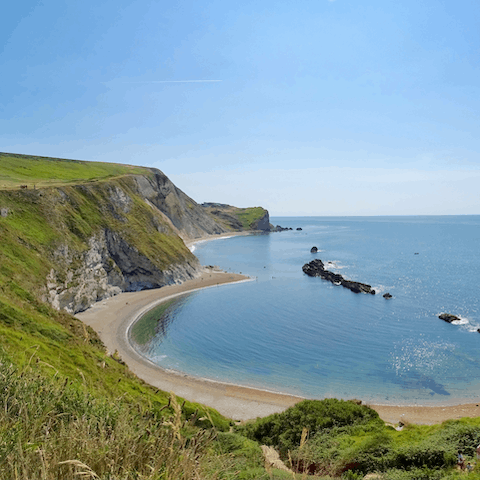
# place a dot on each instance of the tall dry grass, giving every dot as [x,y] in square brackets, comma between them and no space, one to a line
[51,430]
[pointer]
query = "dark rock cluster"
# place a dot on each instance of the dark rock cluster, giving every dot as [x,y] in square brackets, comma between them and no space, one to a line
[279,228]
[316,268]
[448,317]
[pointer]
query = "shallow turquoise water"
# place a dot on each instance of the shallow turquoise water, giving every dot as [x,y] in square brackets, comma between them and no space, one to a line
[291,333]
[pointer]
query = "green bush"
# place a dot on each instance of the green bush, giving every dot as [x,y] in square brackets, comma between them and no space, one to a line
[284,430]
[428,454]
[461,435]
[373,454]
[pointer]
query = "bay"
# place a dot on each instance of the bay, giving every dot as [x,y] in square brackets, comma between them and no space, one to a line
[290,333]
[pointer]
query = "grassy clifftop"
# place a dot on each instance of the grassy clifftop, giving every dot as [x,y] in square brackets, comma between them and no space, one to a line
[16,170]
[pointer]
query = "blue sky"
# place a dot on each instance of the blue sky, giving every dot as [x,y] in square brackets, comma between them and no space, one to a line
[306,108]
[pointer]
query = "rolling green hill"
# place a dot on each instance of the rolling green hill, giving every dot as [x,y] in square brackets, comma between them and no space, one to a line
[16,170]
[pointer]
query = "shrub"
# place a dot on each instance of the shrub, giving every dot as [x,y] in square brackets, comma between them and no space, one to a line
[460,436]
[284,430]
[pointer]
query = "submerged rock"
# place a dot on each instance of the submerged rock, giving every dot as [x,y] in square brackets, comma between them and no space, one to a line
[387,295]
[448,317]
[316,268]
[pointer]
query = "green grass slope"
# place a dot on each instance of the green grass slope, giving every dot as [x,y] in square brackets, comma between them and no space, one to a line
[16,170]
[56,343]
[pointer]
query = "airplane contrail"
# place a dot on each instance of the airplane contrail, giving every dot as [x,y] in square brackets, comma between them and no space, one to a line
[177,81]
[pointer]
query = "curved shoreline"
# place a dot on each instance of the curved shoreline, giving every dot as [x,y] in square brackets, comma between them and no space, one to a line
[113,318]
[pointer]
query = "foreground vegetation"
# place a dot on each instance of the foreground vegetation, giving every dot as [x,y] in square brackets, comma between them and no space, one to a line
[334,438]
[52,427]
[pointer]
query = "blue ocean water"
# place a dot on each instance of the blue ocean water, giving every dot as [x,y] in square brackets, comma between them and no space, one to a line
[291,333]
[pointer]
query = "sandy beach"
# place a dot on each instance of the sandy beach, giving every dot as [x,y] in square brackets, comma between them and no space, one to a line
[207,238]
[113,317]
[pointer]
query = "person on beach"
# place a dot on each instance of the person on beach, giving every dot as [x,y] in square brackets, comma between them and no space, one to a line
[469,467]
[461,461]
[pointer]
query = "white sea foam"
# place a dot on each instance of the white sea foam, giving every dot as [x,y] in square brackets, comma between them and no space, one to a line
[467,325]
[158,358]
[334,265]
[193,247]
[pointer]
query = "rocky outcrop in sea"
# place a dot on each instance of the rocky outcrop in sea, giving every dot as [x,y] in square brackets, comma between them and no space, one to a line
[448,317]
[316,268]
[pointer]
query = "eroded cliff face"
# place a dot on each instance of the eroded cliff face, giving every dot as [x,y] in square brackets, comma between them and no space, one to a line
[110,266]
[84,243]
[189,219]
[263,223]
[136,244]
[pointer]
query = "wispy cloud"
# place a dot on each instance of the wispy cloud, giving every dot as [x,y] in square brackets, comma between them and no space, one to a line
[177,81]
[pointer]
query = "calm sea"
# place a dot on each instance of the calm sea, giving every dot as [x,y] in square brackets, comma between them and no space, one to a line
[291,333]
